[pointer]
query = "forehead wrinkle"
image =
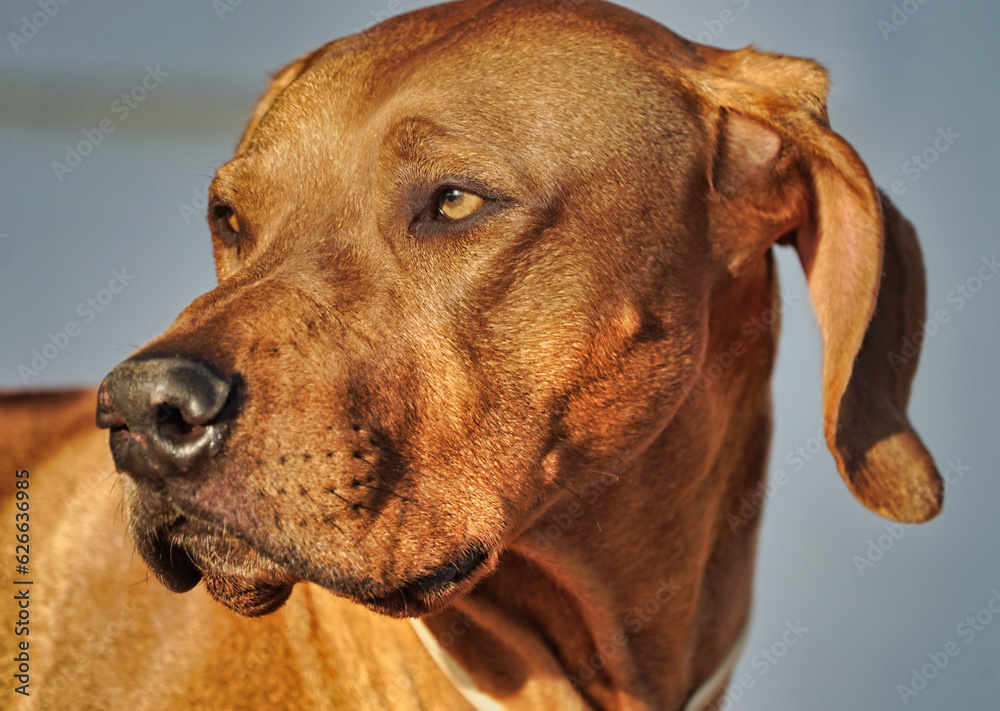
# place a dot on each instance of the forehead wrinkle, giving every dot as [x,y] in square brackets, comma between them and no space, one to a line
[453,130]
[405,136]
[421,143]
[419,150]
[518,116]
[319,133]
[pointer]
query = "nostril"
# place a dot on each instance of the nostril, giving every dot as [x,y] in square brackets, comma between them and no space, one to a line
[170,422]
[190,406]
[188,392]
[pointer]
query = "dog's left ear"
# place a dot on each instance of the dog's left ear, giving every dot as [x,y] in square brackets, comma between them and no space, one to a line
[279,82]
[780,174]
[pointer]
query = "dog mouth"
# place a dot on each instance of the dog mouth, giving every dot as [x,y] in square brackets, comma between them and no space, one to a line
[185,553]
[433,591]
[172,564]
[251,583]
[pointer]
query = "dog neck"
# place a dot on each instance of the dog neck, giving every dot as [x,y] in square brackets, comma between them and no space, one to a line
[634,589]
[700,700]
[628,615]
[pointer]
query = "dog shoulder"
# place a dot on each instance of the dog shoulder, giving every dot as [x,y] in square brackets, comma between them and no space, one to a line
[37,426]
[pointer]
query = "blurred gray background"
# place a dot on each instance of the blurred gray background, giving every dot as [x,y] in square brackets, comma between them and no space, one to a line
[875,603]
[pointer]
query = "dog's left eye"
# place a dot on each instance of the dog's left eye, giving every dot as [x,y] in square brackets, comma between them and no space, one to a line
[455,204]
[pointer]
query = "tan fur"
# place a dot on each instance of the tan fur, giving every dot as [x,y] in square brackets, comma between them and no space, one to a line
[539,381]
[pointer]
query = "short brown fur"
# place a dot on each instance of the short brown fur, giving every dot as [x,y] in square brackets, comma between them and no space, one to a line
[537,381]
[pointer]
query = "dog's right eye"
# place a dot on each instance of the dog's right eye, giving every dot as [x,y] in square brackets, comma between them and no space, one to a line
[226,224]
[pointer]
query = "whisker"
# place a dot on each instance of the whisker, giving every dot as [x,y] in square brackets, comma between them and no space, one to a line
[329,521]
[559,483]
[331,490]
[386,491]
[354,505]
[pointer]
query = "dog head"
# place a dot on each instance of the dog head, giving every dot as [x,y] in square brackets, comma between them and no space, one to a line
[468,255]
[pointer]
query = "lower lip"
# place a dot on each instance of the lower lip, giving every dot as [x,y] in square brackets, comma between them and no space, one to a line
[414,599]
[119,437]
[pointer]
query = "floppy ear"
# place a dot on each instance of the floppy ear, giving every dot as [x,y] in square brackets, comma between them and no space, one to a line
[780,174]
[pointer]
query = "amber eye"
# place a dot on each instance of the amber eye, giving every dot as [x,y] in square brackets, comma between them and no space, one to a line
[227,224]
[455,204]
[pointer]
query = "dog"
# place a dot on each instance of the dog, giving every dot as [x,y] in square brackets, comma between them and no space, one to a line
[450,428]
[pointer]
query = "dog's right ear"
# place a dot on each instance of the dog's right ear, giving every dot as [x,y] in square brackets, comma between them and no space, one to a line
[781,175]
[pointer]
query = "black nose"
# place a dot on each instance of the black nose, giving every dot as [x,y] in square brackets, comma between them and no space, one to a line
[165,414]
